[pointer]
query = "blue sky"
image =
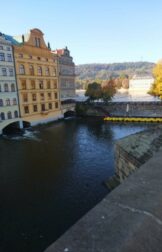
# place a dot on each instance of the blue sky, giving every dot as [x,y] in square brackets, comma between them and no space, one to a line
[95,31]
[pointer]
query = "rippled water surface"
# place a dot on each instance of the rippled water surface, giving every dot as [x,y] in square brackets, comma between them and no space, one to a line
[51,176]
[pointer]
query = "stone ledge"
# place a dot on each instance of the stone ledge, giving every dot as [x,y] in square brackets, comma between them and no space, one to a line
[128,219]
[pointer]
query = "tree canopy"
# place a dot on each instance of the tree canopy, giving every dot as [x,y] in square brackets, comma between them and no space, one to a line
[97,91]
[94,91]
[156,88]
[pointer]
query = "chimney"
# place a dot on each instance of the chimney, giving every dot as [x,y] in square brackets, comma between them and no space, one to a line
[23,39]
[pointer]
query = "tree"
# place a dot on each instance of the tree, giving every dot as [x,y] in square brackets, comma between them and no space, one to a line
[108,90]
[125,83]
[156,88]
[94,91]
[118,83]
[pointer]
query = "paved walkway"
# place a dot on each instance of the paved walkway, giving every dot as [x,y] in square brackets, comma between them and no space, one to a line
[129,219]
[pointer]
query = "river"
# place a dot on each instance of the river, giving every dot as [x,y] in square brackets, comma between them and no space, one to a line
[51,176]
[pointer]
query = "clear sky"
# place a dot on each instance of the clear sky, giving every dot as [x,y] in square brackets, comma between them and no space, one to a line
[95,31]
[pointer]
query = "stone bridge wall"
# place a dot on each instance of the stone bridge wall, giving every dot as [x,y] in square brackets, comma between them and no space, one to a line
[133,151]
[145,109]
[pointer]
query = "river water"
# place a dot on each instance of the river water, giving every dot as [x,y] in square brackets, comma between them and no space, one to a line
[51,176]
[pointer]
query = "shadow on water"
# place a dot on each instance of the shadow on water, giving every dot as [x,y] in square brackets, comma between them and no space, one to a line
[51,176]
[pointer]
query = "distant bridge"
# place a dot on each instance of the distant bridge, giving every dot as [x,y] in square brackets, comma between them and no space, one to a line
[68,109]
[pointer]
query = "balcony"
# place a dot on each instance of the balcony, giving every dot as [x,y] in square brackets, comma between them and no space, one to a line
[45,112]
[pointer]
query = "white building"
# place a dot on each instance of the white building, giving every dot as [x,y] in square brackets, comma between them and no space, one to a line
[141,83]
[9,110]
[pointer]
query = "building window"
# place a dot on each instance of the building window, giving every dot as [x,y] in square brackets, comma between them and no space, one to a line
[20,55]
[38,58]
[9,115]
[41,84]
[8,102]
[6,89]
[47,71]
[30,57]
[2,116]
[1,103]
[16,114]
[42,96]
[34,97]
[56,105]
[8,48]
[55,84]
[12,87]
[37,42]
[43,108]
[32,84]
[2,57]
[21,69]
[35,108]
[50,105]
[26,110]
[14,101]
[40,71]
[56,96]
[54,72]
[9,57]
[49,96]
[4,71]
[48,85]
[25,97]
[31,70]
[1,47]
[23,84]
[11,72]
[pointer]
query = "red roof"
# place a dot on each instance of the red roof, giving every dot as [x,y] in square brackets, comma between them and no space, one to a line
[59,51]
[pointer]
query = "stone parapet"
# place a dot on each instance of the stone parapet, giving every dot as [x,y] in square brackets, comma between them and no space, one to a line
[128,219]
[133,151]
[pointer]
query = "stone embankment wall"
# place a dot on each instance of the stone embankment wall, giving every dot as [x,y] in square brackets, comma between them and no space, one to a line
[133,151]
[145,109]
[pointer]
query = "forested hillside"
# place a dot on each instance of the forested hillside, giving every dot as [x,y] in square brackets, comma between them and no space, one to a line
[107,71]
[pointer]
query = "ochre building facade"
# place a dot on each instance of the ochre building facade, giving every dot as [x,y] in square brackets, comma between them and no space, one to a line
[37,78]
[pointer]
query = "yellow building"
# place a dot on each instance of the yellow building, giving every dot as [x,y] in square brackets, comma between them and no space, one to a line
[37,78]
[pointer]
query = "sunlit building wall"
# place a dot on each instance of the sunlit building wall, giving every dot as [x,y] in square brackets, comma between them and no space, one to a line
[37,78]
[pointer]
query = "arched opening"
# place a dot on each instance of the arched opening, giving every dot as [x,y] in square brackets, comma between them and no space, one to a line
[16,114]
[9,115]
[26,124]
[15,128]
[12,128]
[13,88]
[2,116]
[1,103]
[69,113]
[6,89]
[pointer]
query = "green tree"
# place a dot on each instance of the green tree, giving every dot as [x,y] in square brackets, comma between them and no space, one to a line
[94,91]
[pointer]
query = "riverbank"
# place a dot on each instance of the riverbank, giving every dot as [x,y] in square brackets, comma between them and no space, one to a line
[130,217]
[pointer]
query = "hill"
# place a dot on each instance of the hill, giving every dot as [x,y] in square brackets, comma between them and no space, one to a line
[106,71]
